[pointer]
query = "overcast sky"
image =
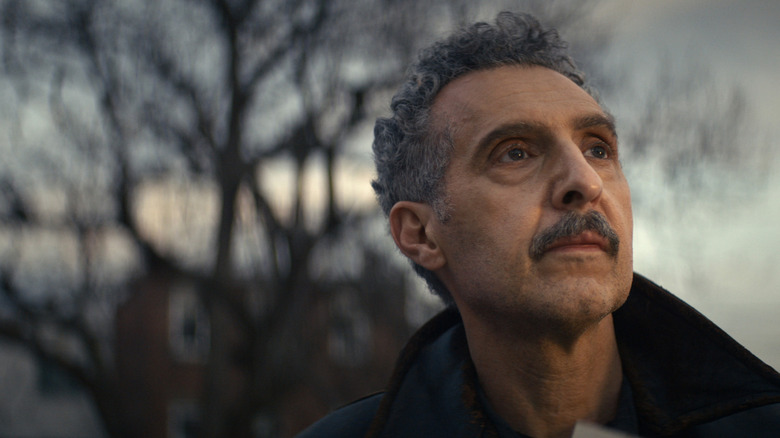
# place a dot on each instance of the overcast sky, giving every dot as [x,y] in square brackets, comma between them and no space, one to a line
[724,262]
[739,39]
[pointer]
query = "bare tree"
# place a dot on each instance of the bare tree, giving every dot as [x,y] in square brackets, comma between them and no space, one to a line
[208,91]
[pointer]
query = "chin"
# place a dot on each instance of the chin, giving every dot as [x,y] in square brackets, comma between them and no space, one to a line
[587,302]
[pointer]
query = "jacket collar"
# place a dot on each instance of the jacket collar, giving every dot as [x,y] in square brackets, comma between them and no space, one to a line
[433,389]
[683,371]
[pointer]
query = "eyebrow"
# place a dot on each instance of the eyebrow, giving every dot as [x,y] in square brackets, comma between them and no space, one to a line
[606,120]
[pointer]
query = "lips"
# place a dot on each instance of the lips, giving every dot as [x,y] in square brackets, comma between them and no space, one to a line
[585,239]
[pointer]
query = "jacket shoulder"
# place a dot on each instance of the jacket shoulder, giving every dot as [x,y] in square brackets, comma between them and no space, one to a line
[349,421]
[761,422]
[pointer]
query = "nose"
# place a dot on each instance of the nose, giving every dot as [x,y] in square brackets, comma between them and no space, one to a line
[576,182]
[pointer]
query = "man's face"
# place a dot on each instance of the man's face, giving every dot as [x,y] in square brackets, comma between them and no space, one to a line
[532,148]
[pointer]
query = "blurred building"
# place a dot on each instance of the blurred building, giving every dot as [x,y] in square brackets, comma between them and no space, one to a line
[163,337]
[162,344]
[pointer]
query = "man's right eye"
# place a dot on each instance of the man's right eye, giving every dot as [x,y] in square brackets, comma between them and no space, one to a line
[514,154]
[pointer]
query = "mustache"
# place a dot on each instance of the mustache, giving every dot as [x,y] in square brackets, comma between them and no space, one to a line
[572,224]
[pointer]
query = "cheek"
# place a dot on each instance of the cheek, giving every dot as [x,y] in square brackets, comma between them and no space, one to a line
[491,231]
[622,209]
[628,218]
[626,234]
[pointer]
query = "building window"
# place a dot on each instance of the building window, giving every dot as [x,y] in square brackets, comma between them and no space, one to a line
[189,330]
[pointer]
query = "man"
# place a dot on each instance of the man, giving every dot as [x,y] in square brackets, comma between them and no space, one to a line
[500,176]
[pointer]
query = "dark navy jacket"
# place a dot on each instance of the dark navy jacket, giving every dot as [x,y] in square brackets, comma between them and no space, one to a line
[687,378]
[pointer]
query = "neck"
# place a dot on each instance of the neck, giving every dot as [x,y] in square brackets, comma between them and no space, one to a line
[541,385]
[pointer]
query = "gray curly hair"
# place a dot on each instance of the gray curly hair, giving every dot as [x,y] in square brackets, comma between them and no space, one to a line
[410,156]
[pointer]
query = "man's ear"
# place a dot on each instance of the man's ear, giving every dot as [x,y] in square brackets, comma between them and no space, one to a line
[410,225]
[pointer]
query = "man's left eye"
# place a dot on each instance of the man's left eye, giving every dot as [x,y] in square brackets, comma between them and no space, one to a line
[599,152]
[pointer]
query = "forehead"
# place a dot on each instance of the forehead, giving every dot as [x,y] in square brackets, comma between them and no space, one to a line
[474,104]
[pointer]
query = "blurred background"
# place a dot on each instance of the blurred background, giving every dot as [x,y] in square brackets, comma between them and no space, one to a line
[189,245]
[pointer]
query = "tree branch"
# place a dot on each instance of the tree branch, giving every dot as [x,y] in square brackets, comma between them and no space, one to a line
[298,33]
